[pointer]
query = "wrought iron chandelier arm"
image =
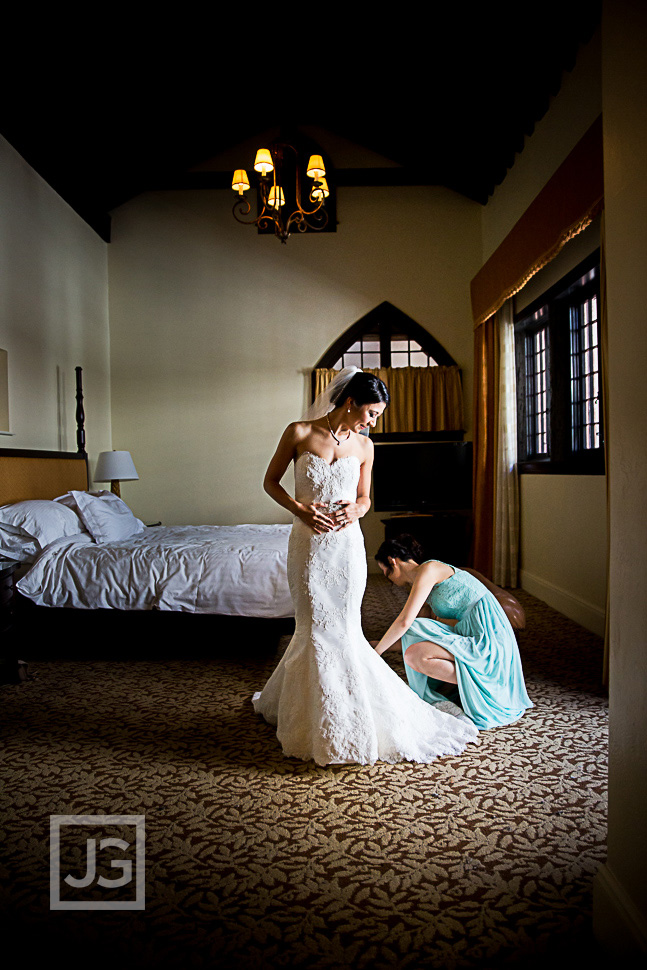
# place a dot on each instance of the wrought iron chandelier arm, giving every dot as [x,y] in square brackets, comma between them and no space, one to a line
[244,207]
[271,215]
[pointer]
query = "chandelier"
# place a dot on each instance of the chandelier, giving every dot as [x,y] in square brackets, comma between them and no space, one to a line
[279,187]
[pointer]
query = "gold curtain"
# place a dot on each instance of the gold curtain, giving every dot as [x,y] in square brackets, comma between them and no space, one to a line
[566,205]
[422,398]
[486,410]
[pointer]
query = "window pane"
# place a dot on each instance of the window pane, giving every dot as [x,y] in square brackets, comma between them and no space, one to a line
[418,359]
[371,345]
[399,360]
[371,360]
[397,346]
[585,376]
[537,409]
[355,348]
[353,359]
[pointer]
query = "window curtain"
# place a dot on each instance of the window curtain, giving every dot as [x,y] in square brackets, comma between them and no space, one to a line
[566,205]
[422,398]
[506,513]
[486,409]
[569,201]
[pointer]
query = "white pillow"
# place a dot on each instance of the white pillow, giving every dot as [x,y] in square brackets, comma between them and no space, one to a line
[105,516]
[40,520]
[20,547]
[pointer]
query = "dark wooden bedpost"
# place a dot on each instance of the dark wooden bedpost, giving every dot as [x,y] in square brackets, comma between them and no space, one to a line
[80,413]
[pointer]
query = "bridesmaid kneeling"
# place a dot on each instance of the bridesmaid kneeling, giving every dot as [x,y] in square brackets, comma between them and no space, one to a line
[468,643]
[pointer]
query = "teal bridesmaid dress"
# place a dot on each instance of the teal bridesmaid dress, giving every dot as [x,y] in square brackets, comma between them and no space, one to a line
[491,688]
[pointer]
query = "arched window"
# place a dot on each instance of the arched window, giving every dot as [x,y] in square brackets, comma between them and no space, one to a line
[385,337]
[424,380]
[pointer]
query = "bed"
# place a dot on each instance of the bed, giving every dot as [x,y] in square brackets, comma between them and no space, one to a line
[86,550]
[89,569]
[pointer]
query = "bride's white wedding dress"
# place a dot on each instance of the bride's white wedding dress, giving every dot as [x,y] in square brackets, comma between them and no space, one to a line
[331,697]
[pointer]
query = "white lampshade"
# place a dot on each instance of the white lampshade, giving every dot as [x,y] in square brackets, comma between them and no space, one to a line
[240,182]
[316,168]
[263,162]
[320,190]
[115,465]
[276,197]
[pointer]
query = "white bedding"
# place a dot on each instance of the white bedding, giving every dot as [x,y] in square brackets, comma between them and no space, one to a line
[234,570]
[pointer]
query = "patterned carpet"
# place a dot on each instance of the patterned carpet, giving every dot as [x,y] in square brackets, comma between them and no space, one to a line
[481,860]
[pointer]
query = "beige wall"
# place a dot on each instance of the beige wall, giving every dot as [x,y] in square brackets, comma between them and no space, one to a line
[563,517]
[564,544]
[54,284]
[571,113]
[558,513]
[213,330]
[621,888]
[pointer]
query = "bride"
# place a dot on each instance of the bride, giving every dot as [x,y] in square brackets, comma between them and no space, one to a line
[331,698]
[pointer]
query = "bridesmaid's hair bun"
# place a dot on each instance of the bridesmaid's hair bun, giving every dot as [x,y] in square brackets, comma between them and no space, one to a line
[363,388]
[404,547]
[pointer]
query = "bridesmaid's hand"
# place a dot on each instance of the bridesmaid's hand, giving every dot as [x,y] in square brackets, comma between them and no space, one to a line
[315,518]
[347,513]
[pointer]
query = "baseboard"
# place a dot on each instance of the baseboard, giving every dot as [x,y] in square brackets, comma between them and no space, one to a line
[617,924]
[586,614]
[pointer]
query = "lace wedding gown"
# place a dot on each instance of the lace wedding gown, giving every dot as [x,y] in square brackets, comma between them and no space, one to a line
[331,697]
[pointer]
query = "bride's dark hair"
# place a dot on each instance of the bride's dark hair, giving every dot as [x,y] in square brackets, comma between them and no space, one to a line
[405,547]
[364,389]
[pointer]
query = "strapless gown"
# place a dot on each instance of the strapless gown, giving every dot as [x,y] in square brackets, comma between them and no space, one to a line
[331,697]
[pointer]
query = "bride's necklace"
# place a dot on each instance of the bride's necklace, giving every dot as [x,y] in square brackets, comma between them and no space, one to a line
[337,441]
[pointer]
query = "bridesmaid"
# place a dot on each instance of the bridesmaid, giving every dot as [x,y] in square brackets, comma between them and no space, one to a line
[467,650]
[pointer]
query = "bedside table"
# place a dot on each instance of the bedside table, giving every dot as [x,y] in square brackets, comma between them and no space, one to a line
[7,569]
[11,670]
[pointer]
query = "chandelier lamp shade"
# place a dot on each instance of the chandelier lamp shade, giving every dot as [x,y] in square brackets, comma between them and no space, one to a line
[113,467]
[278,170]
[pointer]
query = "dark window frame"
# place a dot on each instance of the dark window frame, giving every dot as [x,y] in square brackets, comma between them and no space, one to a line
[562,458]
[387,321]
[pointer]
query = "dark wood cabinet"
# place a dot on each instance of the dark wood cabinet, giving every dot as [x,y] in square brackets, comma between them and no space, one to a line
[445,535]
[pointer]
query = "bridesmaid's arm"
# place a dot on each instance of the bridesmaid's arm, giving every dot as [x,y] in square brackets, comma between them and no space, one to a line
[428,575]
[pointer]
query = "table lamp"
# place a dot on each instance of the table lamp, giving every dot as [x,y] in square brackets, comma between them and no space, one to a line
[115,467]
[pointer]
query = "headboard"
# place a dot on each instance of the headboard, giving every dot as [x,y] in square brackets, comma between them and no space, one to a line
[40,474]
[28,474]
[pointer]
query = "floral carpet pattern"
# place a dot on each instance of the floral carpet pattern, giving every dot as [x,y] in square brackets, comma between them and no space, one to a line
[484,859]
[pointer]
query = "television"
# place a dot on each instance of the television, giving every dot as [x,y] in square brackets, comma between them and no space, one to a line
[422,476]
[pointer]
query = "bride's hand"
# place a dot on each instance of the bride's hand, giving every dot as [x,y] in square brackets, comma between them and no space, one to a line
[315,519]
[347,513]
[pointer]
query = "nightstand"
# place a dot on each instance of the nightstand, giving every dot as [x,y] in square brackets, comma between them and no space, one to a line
[11,669]
[7,569]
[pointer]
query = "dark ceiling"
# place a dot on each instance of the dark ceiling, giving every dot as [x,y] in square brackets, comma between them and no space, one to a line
[450,99]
